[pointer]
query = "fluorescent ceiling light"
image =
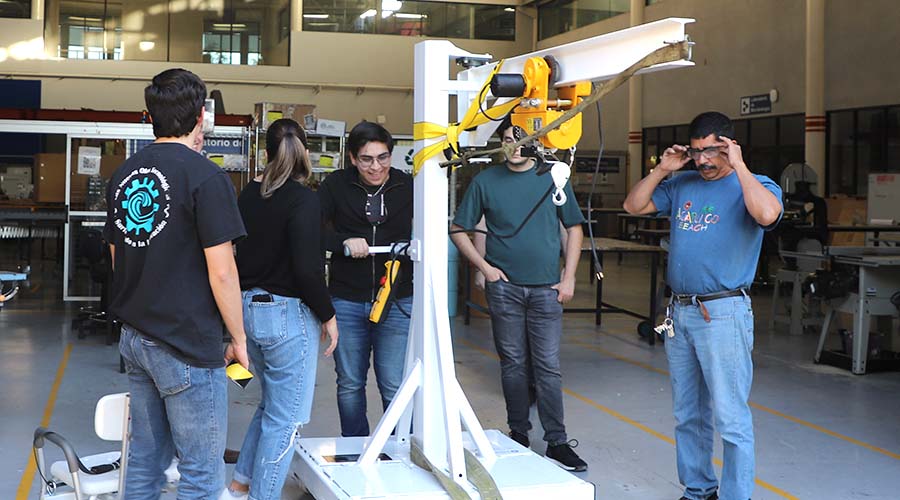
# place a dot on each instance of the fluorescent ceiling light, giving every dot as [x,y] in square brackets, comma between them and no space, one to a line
[510,9]
[225,26]
[402,15]
[85,19]
[368,13]
[315,16]
[391,5]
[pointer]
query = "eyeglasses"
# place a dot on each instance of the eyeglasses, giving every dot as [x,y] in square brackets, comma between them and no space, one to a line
[384,159]
[707,153]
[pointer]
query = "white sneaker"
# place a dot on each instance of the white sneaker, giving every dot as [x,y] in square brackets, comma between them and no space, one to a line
[227,494]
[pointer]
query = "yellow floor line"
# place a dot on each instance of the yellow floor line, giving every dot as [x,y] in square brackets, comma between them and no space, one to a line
[28,475]
[760,407]
[629,421]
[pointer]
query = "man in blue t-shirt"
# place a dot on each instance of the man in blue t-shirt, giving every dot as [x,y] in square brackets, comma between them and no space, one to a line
[718,214]
[171,218]
[523,286]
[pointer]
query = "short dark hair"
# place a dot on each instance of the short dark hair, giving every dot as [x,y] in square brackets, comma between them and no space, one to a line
[711,122]
[365,132]
[174,100]
[504,125]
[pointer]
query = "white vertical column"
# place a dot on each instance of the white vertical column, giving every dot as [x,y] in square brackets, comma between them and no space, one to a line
[37,9]
[635,109]
[815,90]
[296,13]
[436,417]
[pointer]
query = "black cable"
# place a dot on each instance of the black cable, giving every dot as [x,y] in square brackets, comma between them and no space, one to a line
[394,255]
[598,269]
[528,217]
[484,112]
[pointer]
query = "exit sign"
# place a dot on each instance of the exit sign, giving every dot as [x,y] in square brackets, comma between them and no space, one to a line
[756,104]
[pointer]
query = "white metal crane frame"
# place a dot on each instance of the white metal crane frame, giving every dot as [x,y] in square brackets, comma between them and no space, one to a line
[430,396]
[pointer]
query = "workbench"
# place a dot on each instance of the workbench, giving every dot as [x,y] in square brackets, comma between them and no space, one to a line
[879,279]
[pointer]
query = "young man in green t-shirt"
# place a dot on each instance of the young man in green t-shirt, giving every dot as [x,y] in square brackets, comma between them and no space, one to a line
[524,288]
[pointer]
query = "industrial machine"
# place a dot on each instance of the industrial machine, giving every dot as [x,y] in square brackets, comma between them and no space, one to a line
[419,448]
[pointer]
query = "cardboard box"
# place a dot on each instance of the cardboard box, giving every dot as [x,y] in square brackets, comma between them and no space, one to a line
[846,211]
[264,113]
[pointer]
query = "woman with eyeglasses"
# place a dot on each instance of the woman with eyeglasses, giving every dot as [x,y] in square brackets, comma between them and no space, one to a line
[367,204]
[286,307]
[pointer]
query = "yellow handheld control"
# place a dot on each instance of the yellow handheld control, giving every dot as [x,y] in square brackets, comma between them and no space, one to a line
[385,292]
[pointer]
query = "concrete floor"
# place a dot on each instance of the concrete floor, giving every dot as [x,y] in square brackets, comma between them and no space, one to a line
[821,432]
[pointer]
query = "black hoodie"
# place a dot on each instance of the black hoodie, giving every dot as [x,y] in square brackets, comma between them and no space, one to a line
[343,198]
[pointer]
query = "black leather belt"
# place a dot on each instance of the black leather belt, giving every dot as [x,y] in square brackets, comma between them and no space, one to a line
[688,299]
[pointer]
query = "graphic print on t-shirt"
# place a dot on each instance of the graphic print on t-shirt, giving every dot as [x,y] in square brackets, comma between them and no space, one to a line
[142,206]
[695,221]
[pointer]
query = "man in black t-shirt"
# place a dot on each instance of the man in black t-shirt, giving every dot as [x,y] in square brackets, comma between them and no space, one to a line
[171,221]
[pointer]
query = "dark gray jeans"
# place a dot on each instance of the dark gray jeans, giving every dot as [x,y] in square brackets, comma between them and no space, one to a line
[527,326]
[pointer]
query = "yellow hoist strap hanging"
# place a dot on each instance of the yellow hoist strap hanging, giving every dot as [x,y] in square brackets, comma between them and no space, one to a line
[473,118]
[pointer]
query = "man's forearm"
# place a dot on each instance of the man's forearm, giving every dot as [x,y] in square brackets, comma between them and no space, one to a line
[227,292]
[761,203]
[641,194]
[574,238]
[467,248]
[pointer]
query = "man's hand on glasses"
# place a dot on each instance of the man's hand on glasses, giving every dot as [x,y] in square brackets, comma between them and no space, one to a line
[384,159]
[674,158]
[735,155]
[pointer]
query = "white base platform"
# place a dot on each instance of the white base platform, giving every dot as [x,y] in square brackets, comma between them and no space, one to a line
[519,472]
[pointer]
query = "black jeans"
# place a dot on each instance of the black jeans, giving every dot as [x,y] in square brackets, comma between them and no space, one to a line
[527,323]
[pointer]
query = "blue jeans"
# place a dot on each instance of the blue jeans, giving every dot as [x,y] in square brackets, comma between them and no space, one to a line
[527,325]
[711,372]
[178,409]
[283,344]
[385,342]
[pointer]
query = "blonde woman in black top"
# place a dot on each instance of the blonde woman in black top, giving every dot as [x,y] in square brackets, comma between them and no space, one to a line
[286,306]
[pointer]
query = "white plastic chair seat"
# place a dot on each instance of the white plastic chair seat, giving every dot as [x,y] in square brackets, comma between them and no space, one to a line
[90,484]
[102,483]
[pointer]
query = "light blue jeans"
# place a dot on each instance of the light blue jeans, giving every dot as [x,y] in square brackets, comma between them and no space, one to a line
[283,345]
[175,408]
[360,339]
[711,370]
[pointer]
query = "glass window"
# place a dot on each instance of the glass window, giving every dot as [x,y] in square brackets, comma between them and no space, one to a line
[791,142]
[16,8]
[870,137]
[651,150]
[763,147]
[560,16]
[682,136]
[90,30]
[893,140]
[841,157]
[411,18]
[555,18]
[248,32]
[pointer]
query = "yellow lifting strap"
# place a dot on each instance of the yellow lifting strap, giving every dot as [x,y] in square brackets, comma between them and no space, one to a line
[473,118]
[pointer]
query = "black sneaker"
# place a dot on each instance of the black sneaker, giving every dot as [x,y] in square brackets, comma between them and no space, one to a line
[714,496]
[520,438]
[565,456]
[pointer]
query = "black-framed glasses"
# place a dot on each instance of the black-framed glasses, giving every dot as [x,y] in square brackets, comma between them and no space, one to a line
[384,159]
[707,153]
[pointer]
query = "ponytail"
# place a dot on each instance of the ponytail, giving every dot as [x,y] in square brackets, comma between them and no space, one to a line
[290,160]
